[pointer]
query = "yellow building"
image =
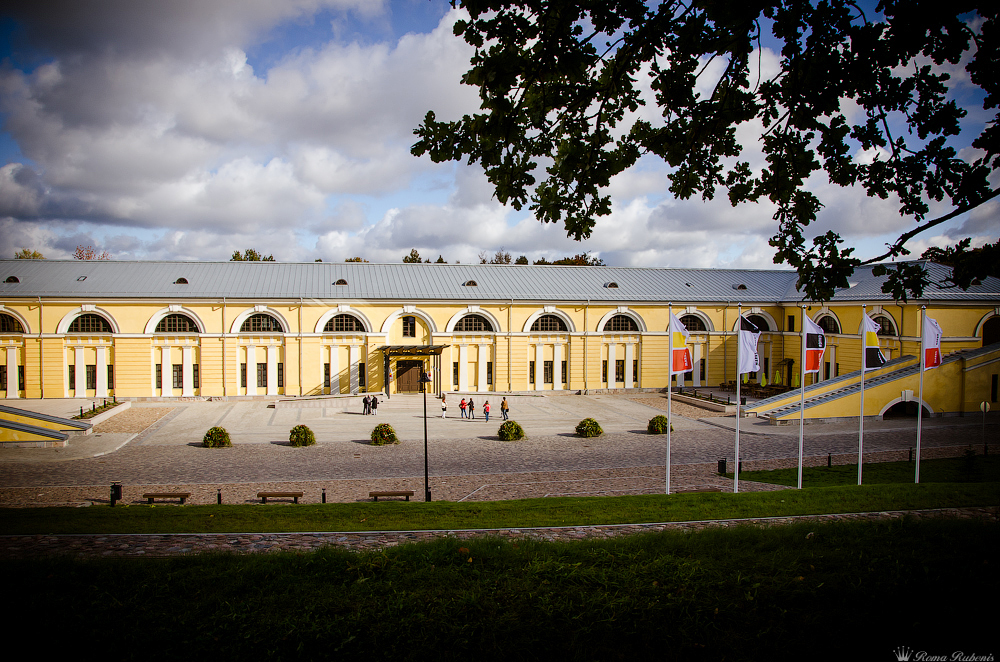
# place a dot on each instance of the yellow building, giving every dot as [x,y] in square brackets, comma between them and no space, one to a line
[243,329]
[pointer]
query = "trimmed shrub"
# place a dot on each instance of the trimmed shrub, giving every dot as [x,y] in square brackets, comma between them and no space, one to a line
[216,438]
[301,435]
[383,434]
[510,431]
[588,427]
[659,425]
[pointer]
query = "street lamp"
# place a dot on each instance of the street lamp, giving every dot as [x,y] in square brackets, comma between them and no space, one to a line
[425,378]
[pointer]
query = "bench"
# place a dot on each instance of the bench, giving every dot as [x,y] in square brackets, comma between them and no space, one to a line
[264,496]
[149,496]
[696,490]
[399,493]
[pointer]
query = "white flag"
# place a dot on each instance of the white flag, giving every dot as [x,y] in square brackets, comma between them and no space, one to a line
[748,336]
[681,357]
[873,357]
[815,345]
[931,343]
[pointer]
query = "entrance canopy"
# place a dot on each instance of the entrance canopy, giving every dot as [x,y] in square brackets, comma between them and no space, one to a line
[407,375]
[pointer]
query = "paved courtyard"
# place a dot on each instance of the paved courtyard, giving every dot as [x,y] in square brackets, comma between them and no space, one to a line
[157,446]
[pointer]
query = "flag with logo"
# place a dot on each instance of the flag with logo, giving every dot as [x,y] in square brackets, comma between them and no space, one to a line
[931,343]
[681,356]
[873,353]
[815,345]
[748,337]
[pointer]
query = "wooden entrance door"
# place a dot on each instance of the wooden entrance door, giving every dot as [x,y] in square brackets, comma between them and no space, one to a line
[408,376]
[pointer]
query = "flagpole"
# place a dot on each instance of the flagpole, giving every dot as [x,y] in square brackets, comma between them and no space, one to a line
[802,395]
[920,392]
[736,460]
[861,413]
[670,379]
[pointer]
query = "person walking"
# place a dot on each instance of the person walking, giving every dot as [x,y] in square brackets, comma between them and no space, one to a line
[472,409]
[462,405]
[374,406]
[503,408]
[367,409]
[444,406]
[486,411]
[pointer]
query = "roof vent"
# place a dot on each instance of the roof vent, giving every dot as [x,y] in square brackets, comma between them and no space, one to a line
[471,283]
[739,286]
[688,284]
[81,279]
[181,281]
[612,284]
[341,281]
[12,279]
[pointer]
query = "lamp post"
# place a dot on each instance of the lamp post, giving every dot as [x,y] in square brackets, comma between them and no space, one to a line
[425,379]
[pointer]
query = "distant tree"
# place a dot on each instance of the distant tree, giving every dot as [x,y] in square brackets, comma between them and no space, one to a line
[28,254]
[440,260]
[523,259]
[541,260]
[500,257]
[355,259]
[581,260]
[413,257]
[319,259]
[250,255]
[88,253]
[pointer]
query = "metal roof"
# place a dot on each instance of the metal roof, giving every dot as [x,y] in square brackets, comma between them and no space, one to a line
[97,279]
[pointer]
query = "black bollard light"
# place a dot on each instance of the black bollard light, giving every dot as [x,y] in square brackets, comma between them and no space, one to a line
[324,495]
[722,467]
[829,460]
[218,496]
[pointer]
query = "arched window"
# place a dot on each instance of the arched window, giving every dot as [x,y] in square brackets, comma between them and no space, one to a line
[549,323]
[90,323]
[888,328]
[759,321]
[261,323]
[693,323]
[473,323]
[10,324]
[621,323]
[176,323]
[344,323]
[829,324]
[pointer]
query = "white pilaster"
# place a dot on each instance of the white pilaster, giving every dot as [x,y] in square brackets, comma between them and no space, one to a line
[539,364]
[272,370]
[696,365]
[80,383]
[612,357]
[152,373]
[484,356]
[463,368]
[102,372]
[166,372]
[355,354]
[187,374]
[629,353]
[251,370]
[12,391]
[557,384]
[831,356]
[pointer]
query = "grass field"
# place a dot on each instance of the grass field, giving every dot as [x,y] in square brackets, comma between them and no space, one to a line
[562,511]
[969,469]
[841,590]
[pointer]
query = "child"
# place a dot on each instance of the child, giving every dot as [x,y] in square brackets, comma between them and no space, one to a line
[444,406]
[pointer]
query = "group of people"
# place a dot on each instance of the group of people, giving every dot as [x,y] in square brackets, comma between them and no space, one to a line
[468,408]
[371,405]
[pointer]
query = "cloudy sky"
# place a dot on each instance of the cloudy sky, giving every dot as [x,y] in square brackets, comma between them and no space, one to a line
[189,129]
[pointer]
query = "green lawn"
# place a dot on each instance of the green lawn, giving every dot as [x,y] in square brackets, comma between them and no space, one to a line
[564,511]
[970,469]
[811,591]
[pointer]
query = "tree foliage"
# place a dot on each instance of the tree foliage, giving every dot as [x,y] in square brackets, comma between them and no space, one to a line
[88,253]
[562,83]
[413,257]
[28,254]
[355,259]
[250,255]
